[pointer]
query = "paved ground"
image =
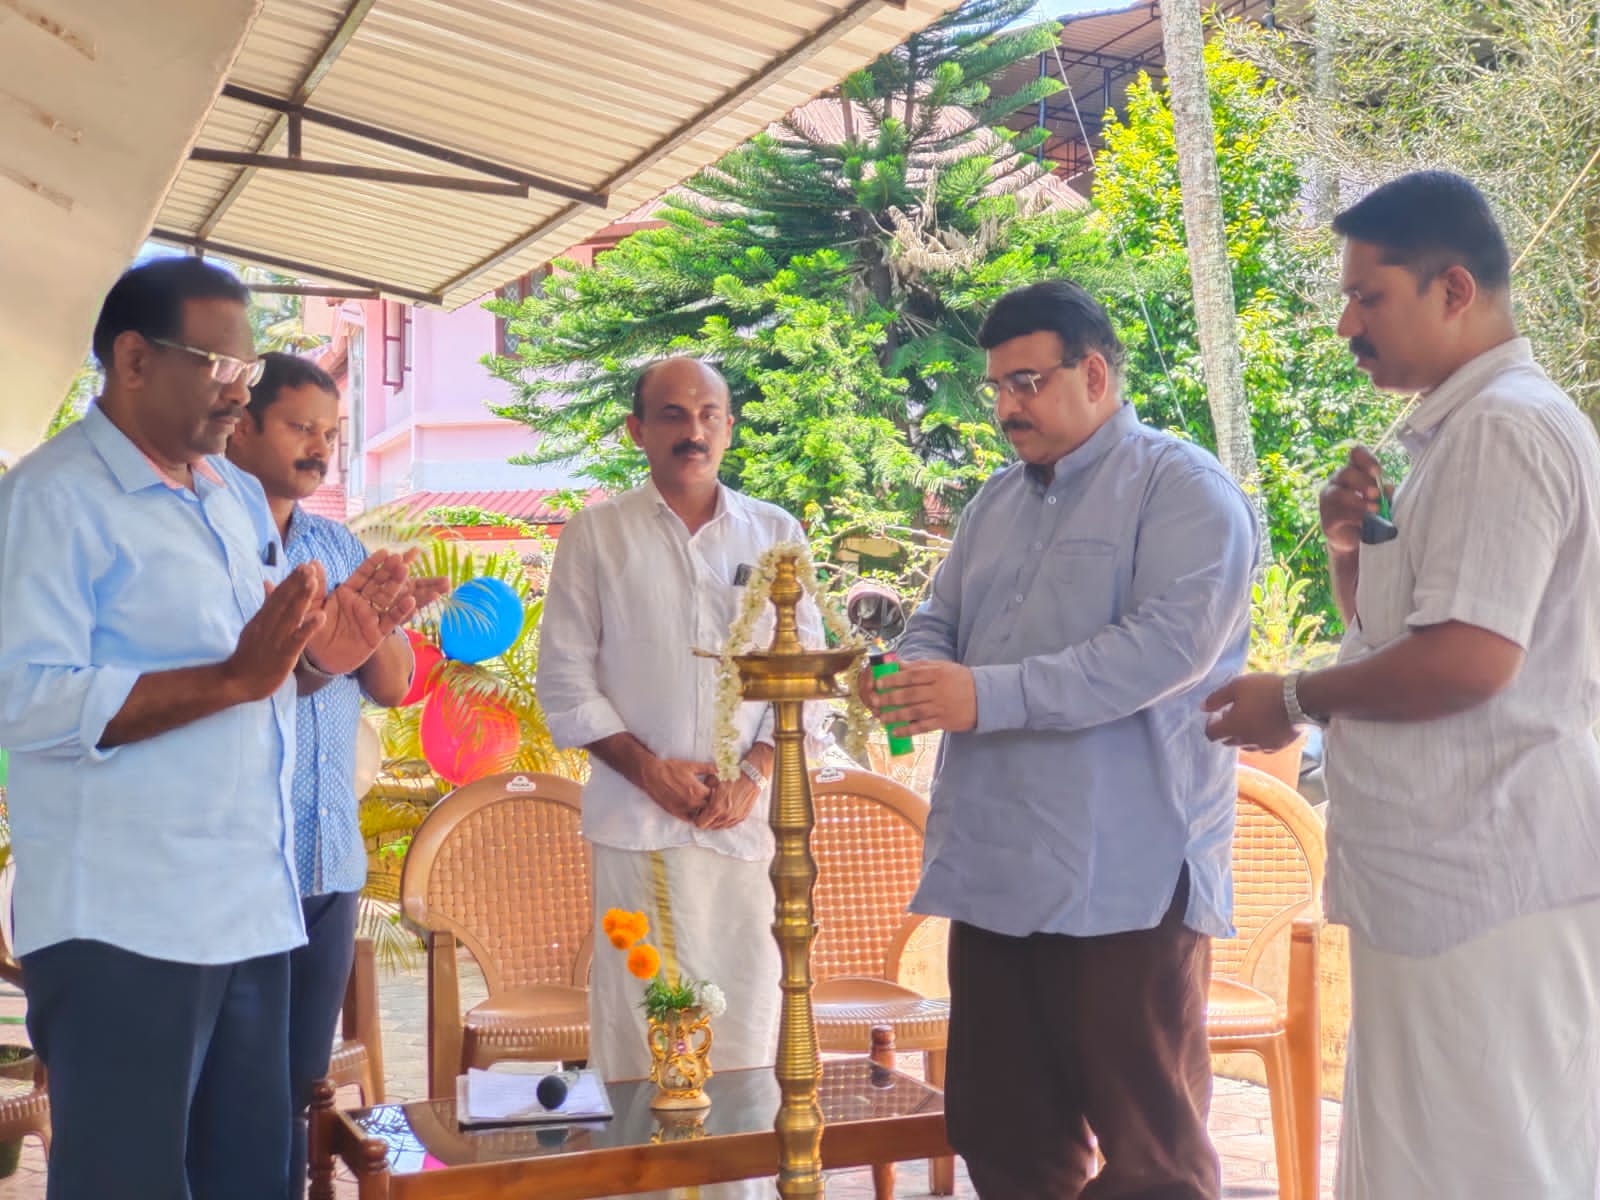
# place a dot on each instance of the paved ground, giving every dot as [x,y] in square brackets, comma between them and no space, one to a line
[1239,1115]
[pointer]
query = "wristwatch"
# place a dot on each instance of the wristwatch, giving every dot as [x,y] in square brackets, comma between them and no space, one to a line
[752,772]
[310,668]
[1291,704]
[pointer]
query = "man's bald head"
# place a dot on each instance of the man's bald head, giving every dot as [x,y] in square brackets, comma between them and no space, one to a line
[686,377]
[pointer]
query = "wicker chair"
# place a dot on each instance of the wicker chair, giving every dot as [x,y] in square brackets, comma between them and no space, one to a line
[358,1055]
[1278,858]
[499,867]
[868,846]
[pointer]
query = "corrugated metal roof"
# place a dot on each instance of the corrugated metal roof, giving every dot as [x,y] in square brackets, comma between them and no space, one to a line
[1100,54]
[620,99]
[525,504]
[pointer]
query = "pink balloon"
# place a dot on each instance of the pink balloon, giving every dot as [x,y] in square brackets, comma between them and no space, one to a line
[428,656]
[466,738]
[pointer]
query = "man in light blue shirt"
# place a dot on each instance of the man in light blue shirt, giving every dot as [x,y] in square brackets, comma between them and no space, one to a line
[286,441]
[147,702]
[1080,832]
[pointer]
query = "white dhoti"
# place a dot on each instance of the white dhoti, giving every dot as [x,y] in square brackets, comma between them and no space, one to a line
[1475,1074]
[711,918]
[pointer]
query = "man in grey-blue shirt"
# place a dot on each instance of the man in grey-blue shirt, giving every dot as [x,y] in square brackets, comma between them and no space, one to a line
[1081,823]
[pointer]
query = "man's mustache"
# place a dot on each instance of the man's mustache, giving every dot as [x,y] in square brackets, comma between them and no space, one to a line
[312,464]
[1361,348]
[1016,425]
[690,446]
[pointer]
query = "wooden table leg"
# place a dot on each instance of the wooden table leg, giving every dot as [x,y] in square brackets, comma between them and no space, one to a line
[883,1056]
[372,1172]
[941,1171]
[322,1119]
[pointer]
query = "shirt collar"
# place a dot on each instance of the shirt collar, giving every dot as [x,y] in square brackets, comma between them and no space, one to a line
[298,527]
[132,468]
[1466,380]
[1099,444]
[724,501]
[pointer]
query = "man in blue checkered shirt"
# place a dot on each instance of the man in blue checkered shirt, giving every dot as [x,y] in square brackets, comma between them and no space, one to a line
[286,441]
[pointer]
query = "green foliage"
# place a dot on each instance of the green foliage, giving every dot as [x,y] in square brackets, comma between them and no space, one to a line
[1284,634]
[276,318]
[1507,92]
[469,516]
[1307,400]
[85,384]
[835,269]
[663,999]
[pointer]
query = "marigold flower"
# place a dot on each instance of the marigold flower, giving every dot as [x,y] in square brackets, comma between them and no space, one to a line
[624,929]
[644,962]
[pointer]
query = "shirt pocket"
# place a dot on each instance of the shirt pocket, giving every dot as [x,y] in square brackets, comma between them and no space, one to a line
[1383,593]
[1075,592]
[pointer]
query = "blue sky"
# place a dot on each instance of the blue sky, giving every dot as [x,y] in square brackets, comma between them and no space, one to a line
[1063,8]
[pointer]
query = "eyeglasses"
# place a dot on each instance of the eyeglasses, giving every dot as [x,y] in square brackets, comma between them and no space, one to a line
[1021,384]
[225,369]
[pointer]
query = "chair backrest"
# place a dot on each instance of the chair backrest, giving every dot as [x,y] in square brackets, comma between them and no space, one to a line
[1279,852]
[868,847]
[500,864]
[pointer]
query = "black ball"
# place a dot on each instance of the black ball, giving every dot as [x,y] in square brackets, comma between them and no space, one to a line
[552,1092]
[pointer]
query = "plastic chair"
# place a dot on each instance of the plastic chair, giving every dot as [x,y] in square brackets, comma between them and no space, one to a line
[868,847]
[499,867]
[358,1055]
[1278,857]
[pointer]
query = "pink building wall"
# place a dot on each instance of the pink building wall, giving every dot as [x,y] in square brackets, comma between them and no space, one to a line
[417,400]
[416,397]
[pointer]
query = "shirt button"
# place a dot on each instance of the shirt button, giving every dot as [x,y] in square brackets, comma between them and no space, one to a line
[1018,598]
[1038,545]
[1050,500]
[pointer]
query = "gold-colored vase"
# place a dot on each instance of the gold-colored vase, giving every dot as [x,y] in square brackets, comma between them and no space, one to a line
[680,1060]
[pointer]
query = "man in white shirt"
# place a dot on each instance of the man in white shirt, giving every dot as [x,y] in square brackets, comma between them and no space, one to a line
[1463,771]
[638,583]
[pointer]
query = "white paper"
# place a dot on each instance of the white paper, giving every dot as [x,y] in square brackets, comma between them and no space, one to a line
[513,1096]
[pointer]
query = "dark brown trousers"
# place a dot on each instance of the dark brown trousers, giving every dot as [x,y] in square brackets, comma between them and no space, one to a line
[1058,1042]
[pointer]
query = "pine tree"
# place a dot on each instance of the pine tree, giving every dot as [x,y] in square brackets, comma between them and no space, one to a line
[835,268]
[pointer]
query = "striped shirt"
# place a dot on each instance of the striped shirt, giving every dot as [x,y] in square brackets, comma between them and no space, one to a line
[1441,830]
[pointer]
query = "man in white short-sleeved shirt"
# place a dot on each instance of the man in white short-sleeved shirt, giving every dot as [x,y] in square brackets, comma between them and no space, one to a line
[1463,769]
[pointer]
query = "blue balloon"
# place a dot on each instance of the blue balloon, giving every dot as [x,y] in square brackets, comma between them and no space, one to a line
[482,619]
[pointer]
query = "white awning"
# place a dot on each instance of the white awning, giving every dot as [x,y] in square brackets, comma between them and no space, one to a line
[585,109]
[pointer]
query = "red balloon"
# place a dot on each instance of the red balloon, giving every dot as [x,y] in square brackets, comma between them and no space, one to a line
[428,656]
[465,738]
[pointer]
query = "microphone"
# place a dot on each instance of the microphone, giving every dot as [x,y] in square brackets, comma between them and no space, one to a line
[552,1092]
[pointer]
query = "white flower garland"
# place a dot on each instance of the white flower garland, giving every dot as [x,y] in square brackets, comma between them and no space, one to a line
[757,593]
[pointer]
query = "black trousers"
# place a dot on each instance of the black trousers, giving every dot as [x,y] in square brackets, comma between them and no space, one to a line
[1054,1039]
[168,1081]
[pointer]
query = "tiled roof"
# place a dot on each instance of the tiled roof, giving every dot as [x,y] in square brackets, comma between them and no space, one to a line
[327,501]
[525,504]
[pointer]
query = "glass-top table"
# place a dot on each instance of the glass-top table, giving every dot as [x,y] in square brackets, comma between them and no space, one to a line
[398,1151]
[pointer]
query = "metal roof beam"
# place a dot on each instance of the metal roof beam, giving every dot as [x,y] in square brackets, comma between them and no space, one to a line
[312,166]
[346,29]
[291,110]
[205,246]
